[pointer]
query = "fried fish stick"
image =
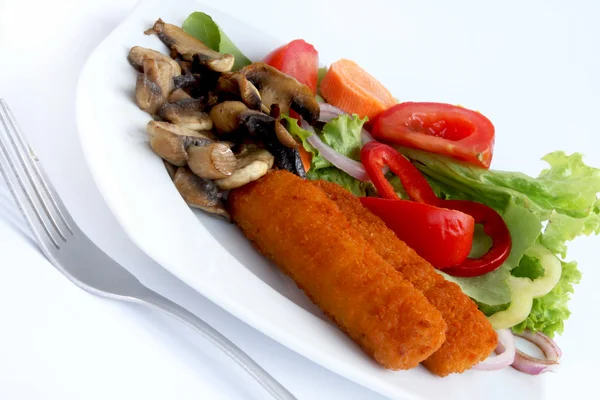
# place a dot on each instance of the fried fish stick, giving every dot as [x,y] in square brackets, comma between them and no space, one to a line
[470,337]
[294,224]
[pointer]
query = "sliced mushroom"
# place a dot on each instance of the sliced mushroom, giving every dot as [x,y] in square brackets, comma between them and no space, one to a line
[138,54]
[276,87]
[238,84]
[188,114]
[284,136]
[212,161]
[177,95]
[185,81]
[199,192]
[225,116]
[257,123]
[186,66]
[189,48]
[154,85]
[288,159]
[171,141]
[266,127]
[254,164]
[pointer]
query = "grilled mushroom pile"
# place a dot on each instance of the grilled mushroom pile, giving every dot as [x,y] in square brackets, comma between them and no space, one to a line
[216,129]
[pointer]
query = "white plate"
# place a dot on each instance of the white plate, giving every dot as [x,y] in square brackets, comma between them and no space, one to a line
[479,63]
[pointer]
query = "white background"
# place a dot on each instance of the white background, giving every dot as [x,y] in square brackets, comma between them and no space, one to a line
[58,342]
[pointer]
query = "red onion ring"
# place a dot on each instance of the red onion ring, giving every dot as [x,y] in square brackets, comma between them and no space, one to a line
[353,168]
[533,365]
[547,345]
[506,350]
[329,112]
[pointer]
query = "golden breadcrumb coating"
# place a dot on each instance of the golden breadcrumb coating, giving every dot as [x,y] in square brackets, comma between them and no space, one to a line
[296,225]
[470,337]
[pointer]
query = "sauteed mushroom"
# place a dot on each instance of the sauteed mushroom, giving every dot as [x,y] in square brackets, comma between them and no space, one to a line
[171,141]
[199,192]
[187,113]
[276,87]
[238,84]
[266,127]
[138,54]
[154,85]
[190,48]
[212,161]
[251,165]
[177,95]
[225,116]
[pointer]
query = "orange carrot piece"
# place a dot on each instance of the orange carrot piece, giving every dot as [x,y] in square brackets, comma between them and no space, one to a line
[306,158]
[349,87]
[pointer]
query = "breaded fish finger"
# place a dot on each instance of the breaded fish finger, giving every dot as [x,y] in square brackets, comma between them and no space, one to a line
[470,337]
[294,224]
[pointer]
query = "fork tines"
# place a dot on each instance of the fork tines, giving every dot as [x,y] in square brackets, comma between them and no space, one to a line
[36,198]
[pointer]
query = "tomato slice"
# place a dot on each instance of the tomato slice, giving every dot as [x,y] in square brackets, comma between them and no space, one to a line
[455,131]
[297,59]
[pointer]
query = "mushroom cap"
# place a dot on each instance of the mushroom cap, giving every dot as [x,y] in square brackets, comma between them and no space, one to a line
[191,48]
[170,142]
[187,113]
[236,83]
[154,85]
[225,116]
[199,192]
[138,54]
[177,95]
[212,161]
[252,165]
[275,87]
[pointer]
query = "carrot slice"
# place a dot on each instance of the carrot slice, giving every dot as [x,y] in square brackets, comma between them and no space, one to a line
[306,158]
[349,87]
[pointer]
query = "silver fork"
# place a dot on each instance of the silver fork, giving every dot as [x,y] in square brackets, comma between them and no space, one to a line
[80,260]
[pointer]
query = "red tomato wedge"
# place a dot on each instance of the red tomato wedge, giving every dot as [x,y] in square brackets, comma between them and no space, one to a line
[440,128]
[297,59]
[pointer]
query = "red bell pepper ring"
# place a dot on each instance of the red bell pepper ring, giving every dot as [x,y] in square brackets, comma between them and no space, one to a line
[441,236]
[493,226]
[376,155]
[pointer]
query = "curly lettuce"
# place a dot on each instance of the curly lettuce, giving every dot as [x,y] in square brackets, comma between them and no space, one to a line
[343,135]
[560,205]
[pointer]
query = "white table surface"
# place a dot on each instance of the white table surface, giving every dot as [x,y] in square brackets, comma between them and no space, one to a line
[58,342]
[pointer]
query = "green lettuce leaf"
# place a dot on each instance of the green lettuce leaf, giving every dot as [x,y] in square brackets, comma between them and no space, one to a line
[203,28]
[562,228]
[332,174]
[492,288]
[343,135]
[563,195]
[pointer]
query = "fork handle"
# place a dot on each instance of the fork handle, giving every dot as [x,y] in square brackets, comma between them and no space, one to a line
[269,383]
